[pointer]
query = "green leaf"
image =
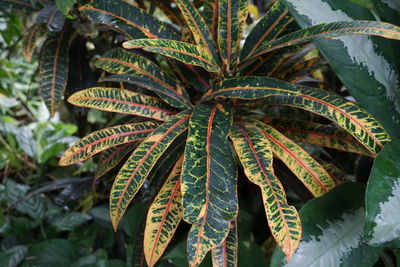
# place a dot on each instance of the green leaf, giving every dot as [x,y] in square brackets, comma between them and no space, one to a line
[70,221]
[13,256]
[254,151]
[121,101]
[133,21]
[29,40]
[24,4]
[199,29]
[137,168]
[184,52]
[143,72]
[226,254]
[164,216]
[382,197]
[210,15]
[53,68]
[368,73]
[65,5]
[333,230]
[231,18]
[267,29]
[106,138]
[53,252]
[208,179]
[331,30]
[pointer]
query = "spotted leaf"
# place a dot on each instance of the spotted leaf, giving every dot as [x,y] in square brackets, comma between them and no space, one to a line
[226,254]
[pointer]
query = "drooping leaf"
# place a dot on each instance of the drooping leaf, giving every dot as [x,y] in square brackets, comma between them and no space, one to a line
[326,135]
[163,217]
[308,170]
[335,172]
[52,17]
[184,52]
[369,73]
[231,17]
[134,172]
[208,179]
[382,197]
[145,73]
[133,21]
[199,29]
[121,101]
[270,25]
[106,138]
[333,231]
[255,153]
[112,157]
[226,254]
[331,30]
[210,15]
[53,69]
[29,40]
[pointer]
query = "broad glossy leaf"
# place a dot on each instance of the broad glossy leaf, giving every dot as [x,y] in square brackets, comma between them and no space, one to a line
[208,179]
[111,157]
[326,135]
[184,52]
[199,29]
[354,119]
[53,68]
[133,21]
[331,30]
[163,217]
[65,5]
[106,138]
[382,197]
[255,153]
[231,17]
[368,73]
[143,72]
[69,221]
[308,170]
[333,231]
[250,88]
[226,254]
[52,17]
[121,101]
[269,26]
[134,172]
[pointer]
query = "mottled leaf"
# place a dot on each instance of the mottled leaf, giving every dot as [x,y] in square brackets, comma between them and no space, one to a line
[226,254]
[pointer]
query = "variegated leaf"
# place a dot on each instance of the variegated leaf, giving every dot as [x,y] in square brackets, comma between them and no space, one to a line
[210,15]
[184,52]
[198,27]
[226,254]
[208,179]
[29,40]
[270,26]
[163,217]
[133,21]
[121,101]
[134,172]
[308,170]
[112,157]
[331,30]
[231,17]
[335,172]
[253,147]
[106,138]
[326,135]
[143,72]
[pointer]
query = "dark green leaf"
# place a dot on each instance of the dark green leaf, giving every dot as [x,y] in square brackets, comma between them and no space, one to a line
[65,5]
[69,221]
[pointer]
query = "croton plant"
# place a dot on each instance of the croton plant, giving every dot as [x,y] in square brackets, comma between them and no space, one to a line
[199,101]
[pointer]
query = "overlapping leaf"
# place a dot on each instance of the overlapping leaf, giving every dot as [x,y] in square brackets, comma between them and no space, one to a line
[226,254]
[308,170]
[121,101]
[53,68]
[24,4]
[112,157]
[326,135]
[184,52]
[199,29]
[134,172]
[210,15]
[29,40]
[208,179]
[330,30]
[231,17]
[143,72]
[133,21]
[106,138]
[253,147]
[163,217]
[273,22]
